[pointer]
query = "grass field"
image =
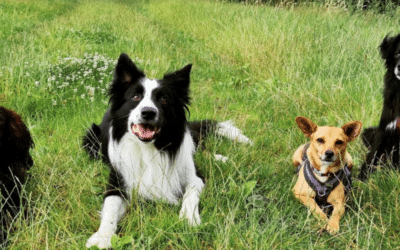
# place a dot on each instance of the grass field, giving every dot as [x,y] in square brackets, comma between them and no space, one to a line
[260,66]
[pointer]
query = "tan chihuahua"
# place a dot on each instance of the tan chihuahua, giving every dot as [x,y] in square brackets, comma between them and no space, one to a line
[324,169]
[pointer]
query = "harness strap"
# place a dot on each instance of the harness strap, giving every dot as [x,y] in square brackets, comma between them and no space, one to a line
[305,151]
[321,189]
[304,157]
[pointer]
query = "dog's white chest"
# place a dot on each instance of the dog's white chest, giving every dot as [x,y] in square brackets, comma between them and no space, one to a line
[146,169]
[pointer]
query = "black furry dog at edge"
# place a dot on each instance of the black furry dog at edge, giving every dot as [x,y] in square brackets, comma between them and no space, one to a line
[15,142]
[383,141]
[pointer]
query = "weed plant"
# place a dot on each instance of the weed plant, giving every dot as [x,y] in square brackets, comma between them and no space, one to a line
[74,78]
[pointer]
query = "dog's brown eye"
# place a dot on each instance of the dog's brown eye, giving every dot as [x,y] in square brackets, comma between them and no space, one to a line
[137,97]
[339,142]
[163,100]
[320,140]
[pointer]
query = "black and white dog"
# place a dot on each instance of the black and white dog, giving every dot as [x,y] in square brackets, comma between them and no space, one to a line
[383,141]
[147,141]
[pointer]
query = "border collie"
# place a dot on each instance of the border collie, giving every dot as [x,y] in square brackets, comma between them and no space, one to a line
[383,141]
[148,143]
[15,142]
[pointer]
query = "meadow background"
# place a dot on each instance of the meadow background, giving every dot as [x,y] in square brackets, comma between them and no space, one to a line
[259,65]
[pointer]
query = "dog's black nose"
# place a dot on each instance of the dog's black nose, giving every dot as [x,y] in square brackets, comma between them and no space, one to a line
[149,113]
[329,154]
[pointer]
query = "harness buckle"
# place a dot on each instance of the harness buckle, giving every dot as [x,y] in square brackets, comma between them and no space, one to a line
[321,192]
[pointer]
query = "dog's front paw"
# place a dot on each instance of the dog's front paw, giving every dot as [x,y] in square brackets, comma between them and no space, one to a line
[101,240]
[192,215]
[332,227]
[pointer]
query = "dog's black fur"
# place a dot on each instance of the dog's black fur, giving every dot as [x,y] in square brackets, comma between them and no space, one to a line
[15,161]
[383,143]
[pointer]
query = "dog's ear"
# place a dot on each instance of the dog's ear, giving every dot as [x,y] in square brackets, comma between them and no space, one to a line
[180,78]
[306,125]
[386,47]
[179,81]
[352,129]
[126,71]
[125,74]
[16,136]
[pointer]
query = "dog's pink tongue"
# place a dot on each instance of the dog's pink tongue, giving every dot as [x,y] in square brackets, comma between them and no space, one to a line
[142,132]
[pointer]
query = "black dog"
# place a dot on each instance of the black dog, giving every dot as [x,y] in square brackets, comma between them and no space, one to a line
[383,141]
[15,161]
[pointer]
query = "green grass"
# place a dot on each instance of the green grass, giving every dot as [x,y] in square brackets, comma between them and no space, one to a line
[260,66]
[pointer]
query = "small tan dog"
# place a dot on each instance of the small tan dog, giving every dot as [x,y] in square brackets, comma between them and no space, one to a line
[324,169]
